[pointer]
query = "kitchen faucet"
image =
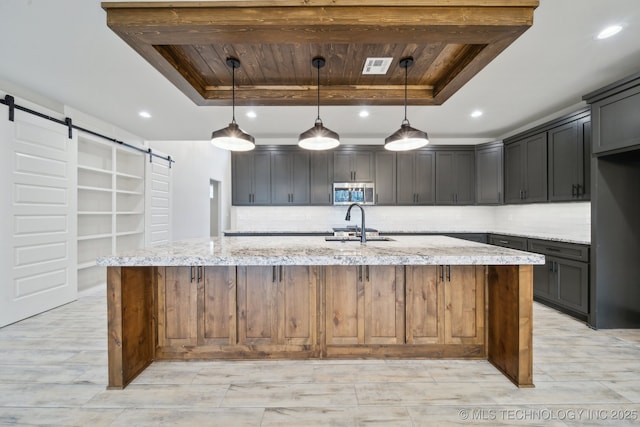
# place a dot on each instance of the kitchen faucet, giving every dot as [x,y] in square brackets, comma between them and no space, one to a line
[363,230]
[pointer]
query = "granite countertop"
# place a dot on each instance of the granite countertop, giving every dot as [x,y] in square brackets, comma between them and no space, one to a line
[540,236]
[315,250]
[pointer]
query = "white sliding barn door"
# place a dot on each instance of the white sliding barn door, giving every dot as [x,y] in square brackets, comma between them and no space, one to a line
[38,216]
[158,201]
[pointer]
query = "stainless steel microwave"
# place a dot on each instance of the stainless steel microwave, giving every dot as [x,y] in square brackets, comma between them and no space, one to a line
[345,193]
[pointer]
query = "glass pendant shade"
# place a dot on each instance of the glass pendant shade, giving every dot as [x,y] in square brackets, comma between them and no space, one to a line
[318,137]
[406,138]
[232,137]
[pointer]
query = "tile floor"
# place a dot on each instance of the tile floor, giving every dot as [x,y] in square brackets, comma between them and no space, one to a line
[53,372]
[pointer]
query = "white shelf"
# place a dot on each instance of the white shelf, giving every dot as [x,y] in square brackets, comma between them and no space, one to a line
[94,236]
[87,264]
[96,170]
[135,193]
[130,213]
[94,213]
[128,175]
[129,233]
[88,188]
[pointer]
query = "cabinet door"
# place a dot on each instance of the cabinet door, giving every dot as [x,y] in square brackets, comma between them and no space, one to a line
[297,295]
[573,285]
[536,168]
[425,177]
[384,305]
[243,176]
[363,166]
[464,174]
[584,173]
[177,306]
[217,306]
[342,166]
[424,310]
[385,178]
[565,157]
[489,169]
[406,176]
[445,178]
[300,178]
[257,306]
[544,282]
[464,304]
[262,178]
[344,302]
[281,178]
[513,172]
[321,178]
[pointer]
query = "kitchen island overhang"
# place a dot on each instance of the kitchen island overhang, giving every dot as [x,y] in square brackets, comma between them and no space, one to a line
[304,297]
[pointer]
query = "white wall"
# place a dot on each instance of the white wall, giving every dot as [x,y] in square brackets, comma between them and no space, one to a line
[197,162]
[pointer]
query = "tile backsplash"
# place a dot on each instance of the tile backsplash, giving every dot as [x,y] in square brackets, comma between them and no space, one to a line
[570,221]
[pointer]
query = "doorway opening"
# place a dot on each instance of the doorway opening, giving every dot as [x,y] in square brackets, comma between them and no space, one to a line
[214,208]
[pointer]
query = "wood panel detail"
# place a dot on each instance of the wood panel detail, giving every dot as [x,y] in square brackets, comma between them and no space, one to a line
[275,41]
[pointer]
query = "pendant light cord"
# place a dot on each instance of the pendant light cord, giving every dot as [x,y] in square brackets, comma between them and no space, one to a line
[318,119]
[233,94]
[406,74]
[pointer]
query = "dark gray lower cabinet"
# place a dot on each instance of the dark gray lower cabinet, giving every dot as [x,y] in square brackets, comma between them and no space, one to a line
[563,282]
[506,241]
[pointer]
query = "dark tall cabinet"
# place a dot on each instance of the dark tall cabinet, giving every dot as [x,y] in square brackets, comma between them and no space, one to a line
[416,176]
[489,164]
[385,177]
[569,160]
[455,177]
[615,205]
[289,177]
[525,169]
[321,177]
[251,178]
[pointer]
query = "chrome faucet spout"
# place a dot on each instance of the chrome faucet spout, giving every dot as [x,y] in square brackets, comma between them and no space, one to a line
[363,233]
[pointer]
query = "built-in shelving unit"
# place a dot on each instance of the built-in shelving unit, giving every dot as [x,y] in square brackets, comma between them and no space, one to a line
[111,204]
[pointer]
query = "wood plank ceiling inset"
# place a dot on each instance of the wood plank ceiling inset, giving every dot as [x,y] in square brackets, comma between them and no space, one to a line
[275,40]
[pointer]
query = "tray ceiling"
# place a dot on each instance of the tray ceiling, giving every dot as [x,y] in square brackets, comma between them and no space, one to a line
[189,42]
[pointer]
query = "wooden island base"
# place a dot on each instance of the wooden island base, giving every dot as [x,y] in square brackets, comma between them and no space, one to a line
[298,312]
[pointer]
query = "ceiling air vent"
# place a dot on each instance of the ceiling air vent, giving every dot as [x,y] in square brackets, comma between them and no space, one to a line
[376,65]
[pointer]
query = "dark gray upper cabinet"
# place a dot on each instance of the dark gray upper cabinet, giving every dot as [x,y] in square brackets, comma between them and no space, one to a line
[289,177]
[525,170]
[455,172]
[385,177]
[416,175]
[321,177]
[353,165]
[615,110]
[489,165]
[568,162]
[251,178]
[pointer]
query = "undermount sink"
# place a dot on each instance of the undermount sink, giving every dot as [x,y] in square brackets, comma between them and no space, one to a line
[356,239]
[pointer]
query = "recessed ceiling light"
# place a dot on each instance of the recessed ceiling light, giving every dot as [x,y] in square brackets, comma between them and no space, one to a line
[364,113]
[251,114]
[609,31]
[476,113]
[145,114]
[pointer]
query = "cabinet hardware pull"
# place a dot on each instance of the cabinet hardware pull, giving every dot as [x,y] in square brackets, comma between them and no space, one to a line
[448,273]
[551,267]
[360,273]
[573,191]
[280,271]
[579,190]
[192,274]
[525,193]
[505,242]
[442,273]
[367,272]
[273,270]
[520,194]
[199,273]
[553,249]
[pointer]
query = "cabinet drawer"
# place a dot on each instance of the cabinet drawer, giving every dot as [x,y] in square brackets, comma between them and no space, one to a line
[512,242]
[559,249]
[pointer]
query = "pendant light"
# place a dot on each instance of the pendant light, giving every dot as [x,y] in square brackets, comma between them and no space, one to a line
[318,137]
[232,137]
[406,138]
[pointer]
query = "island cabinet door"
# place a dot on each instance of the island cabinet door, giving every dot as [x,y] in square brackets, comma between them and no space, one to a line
[464,287]
[177,306]
[445,304]
[364,305]
[277,307]
[217,306]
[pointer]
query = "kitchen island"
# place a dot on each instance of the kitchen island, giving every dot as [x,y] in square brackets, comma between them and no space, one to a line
[305,297]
